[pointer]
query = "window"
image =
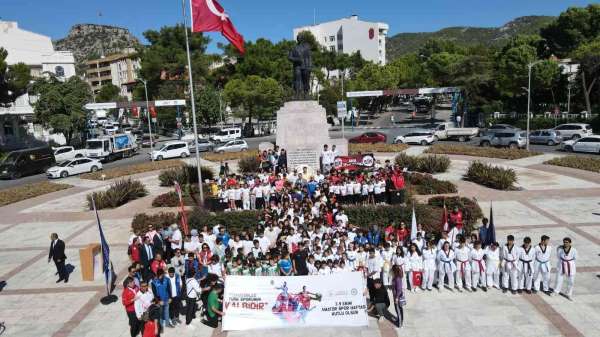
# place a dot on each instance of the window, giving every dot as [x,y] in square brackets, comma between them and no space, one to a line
[8,128]
[332,48]
[331,38]
[59,71]
[63,151]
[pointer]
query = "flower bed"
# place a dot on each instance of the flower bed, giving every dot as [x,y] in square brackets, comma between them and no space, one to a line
[425,164]
[119,193]
[491,176]
[488,152]
[577,162]
[28,191]
[378,147]
[122,171]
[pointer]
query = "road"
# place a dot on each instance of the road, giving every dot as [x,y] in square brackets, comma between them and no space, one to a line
[253,143]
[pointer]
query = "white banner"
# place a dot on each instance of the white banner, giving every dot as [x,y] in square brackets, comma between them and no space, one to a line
[261,302]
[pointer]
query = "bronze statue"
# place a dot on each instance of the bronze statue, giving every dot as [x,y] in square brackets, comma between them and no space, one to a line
[300,57]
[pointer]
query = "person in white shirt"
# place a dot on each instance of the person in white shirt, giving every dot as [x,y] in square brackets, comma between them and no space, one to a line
[526,265]
[193,292]
[143,299]
[542,265]
[566,267]
[257,190]
[419,241]
[245,191]
[463,265]
[429,265]
[176,238]
[510,266]
[446,266]
[266,190]
[341,217]
[414,265]
[492,266]
[477,266]
[215,267]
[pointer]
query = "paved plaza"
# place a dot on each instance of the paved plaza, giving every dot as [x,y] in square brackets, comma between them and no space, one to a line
[555,201]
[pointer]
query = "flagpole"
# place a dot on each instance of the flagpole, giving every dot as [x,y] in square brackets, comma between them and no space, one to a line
[189,60]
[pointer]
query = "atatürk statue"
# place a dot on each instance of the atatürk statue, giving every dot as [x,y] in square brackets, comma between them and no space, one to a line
[302,61]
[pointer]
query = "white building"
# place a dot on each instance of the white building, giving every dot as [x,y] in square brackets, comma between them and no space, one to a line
[36,51]
[349,35]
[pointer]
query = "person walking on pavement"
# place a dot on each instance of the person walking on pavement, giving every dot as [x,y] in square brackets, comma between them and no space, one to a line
[57,254]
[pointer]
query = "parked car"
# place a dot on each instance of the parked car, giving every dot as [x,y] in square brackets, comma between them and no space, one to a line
[26,162]
[73,167]
[111,129]
[548,137]
[586,144]
[574,130]
[369,137]
[227,134]
[498,128]
[513,140]
[146,140]
[448,131]
[63,153]
[233,146]
[203,145]
[171,150]
[422,137]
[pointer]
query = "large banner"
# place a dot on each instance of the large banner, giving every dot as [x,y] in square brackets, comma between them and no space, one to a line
[261,302]
[354,162]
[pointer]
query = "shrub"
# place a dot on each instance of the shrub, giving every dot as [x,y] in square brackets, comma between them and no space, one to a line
[233,220]
[470,208]
[489,152]
[378,147]
[426,164]
[425,184]
[491,176]
[169,199]
[577,162]
[186,174]
[28,191]
[122,171]
[119,193]
[141,221]
[249,164]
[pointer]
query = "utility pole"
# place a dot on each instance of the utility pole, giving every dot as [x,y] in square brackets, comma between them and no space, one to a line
[529,67]
[149,119]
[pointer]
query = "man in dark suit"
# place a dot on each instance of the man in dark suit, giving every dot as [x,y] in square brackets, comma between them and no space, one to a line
[57,254]
[147,253]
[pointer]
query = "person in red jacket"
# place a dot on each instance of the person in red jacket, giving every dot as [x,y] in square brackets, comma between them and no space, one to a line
[157,264]
[134,250]
[402,232]
[128,297]
[456,219]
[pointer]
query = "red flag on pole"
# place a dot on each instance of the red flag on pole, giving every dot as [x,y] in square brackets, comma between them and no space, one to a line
[209,16]
[445,218]
[153,111]
[184,224]
[134,111]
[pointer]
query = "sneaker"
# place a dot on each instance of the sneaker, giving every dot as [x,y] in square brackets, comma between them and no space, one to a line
[504,291]
[519,291]
[474,289]
[534,291]
[528,291]
[514,292]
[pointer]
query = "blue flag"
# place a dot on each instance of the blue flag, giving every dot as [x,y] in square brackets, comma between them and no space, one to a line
[491,232]
[106,265]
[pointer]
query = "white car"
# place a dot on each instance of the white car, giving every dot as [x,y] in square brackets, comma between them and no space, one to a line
[422,138]
[67,153]
[171,150]
[111,129]
[233,146]
[574,130]
[73,167]
[586,144]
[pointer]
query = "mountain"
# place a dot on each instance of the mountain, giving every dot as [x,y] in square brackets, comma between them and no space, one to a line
[88,41]
[411,42]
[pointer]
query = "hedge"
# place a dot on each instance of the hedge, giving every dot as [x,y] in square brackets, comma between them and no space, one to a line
[577,162]
[186,174]
[218,157]
[122,171]
[491,176]
[426,184]
[119,193]
[424,164]
[378,147]
[470,208]
[28,191]
[429,215]
[489,152]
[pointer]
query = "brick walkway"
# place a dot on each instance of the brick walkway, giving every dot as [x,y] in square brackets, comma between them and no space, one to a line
[31,294]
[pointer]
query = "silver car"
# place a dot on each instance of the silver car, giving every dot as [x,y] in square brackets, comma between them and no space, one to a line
[548,137]
[574,130]
[233,146]
[513,140]
[492,130]
[203,144]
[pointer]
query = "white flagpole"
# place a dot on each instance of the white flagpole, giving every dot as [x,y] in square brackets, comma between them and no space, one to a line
[189,60]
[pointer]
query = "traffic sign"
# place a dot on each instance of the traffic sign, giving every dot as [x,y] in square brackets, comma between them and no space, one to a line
[341,109]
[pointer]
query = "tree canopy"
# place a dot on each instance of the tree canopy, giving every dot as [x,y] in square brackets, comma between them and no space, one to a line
[14,79]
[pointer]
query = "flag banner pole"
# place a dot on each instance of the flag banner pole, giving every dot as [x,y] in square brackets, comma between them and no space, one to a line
[107,268]
[192,98]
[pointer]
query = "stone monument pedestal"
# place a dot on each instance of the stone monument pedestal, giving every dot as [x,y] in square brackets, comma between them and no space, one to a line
[302,130]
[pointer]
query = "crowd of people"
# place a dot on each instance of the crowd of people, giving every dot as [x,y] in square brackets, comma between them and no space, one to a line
[303,230]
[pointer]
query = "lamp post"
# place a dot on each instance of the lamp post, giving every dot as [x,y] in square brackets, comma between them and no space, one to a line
[529,66]
[148,116]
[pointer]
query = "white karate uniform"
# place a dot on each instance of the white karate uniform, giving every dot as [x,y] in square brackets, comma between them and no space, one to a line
[510,266]
[463,266]
[492,267]
[446,266]
[415,264]
[526,265]
[566,267]
[542,267]
[477,267]
[429,267]
[386,276]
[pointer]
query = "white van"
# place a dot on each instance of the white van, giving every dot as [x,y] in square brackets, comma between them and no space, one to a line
[171,150]
[227,134]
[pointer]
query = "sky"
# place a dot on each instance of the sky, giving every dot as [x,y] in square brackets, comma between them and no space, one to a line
[274,19]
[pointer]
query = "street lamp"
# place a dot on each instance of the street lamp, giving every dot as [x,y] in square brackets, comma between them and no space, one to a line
[529,66]
[148,116]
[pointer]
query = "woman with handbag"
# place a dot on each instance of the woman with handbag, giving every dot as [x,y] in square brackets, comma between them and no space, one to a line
[398,293]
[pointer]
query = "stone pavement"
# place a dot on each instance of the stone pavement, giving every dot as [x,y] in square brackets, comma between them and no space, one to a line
[554,201]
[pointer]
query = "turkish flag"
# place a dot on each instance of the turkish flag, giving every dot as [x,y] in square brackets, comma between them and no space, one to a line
[134,111]
[209,16]
[153,111]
